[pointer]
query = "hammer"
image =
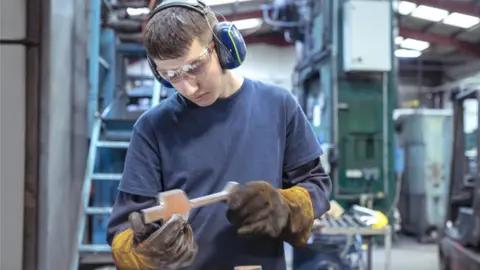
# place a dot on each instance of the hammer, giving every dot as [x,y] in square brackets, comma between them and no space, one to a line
[176,202]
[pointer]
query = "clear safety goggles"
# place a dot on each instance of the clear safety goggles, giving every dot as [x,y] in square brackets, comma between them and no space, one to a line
[195,68]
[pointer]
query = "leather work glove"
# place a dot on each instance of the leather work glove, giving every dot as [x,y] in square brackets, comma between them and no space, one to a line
[259,208]
[151,246]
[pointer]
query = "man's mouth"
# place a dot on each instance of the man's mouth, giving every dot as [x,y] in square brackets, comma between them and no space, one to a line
[200,96]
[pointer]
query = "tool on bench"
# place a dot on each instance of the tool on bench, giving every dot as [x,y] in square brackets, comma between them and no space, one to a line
[176,202]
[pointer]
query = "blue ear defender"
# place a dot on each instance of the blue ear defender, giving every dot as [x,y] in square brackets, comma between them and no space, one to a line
[229,43]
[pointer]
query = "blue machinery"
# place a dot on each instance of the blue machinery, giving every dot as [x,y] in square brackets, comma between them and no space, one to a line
[346,84]
[345,80]
[112,110]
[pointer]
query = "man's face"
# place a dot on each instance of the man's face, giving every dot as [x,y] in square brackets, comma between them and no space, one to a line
[197,75]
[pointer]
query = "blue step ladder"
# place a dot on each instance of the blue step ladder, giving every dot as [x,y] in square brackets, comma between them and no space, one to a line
[111,132]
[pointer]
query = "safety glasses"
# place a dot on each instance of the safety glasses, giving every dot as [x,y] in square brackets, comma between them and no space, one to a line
[195,68]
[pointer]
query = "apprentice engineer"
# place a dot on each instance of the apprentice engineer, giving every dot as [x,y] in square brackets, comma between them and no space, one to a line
[218,127]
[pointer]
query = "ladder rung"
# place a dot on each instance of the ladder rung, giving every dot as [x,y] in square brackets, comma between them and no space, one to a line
[94,248]
[112,144]
[104,63]
[98,210]
[107,176]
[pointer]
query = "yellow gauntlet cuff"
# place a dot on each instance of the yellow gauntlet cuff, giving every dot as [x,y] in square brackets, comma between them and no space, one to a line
[301,218]
[124,254]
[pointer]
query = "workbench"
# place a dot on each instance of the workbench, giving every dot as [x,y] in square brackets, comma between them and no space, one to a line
[349,226]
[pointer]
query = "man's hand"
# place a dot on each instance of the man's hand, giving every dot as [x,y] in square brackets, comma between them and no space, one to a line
[170,246]
[151,246]
[258,208]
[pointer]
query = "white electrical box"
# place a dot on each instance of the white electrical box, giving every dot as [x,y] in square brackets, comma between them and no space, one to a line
[367,35]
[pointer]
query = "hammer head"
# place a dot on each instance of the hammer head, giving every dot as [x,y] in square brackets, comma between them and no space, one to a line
[174,202]
[170,203]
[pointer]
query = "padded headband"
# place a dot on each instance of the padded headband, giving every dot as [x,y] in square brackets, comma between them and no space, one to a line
[196,5]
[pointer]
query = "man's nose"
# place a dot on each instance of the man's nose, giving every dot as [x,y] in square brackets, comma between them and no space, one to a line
[188,86]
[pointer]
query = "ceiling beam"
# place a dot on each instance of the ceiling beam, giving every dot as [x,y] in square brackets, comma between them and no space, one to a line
[472,49]
[470,8]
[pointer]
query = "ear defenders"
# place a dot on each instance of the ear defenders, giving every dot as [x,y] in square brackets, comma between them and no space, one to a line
[229,43]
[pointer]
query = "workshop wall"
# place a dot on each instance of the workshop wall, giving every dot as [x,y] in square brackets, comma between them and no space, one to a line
[408,92]
[12,173]
[264,62]
[464,72]
[472,79]
[63,129]
[458,76]
[270,64]
[467,74]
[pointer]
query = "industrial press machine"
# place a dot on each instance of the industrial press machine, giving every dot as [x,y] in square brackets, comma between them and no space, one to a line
[346,84]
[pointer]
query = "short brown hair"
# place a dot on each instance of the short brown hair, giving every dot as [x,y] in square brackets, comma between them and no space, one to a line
[170,33]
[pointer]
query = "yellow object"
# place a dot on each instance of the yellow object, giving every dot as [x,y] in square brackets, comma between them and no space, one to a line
[411,104]
[380,220]
[301,214]
[124,254]
[336,211]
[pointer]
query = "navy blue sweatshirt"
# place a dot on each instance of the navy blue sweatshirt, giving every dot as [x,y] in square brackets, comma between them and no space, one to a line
[258,133]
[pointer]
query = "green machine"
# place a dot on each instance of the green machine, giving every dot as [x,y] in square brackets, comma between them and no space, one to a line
[345,80]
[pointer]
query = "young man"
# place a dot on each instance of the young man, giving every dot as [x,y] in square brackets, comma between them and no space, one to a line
[219,127]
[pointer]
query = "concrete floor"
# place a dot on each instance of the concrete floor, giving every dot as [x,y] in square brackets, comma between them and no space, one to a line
[406,254]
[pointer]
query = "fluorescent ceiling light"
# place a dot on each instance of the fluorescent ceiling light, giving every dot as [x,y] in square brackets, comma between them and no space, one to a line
[398,40]
[223,2]
[405,7]
[413,44]
[429,13]
[247,23]
[461,20]
[137,11]
[403,53]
